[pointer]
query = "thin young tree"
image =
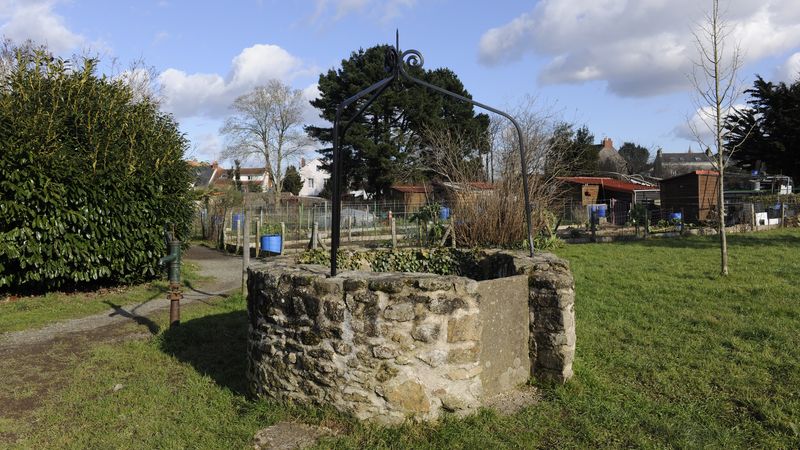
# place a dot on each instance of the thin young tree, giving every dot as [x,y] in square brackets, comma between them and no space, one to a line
[266,123]
[715,79]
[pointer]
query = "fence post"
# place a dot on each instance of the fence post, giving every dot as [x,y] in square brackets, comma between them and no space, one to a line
[245,247]
[349,228]
[283,236]
[314,237]
[239,231]
[593,222]
[453,229]
[258,238]
[783,215]
[394,234]
[752,216]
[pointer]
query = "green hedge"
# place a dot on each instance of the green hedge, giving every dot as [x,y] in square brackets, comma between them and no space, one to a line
[89,177]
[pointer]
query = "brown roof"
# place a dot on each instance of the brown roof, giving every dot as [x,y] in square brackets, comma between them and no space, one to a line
[252,170]
[696,172]
[609,183]
[409,188]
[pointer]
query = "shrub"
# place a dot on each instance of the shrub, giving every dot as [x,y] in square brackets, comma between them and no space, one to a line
[441,261]
[90,174]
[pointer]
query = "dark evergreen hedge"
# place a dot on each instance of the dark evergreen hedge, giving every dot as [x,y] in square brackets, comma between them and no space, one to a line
[89,177]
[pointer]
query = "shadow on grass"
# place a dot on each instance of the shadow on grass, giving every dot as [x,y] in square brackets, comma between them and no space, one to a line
[189,285]
[214,345]
[152,327]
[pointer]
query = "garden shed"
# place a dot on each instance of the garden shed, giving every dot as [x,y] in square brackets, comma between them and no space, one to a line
[619,195]
[693,194]
[412,196]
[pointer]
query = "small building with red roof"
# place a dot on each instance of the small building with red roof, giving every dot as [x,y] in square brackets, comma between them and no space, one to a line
[619,195]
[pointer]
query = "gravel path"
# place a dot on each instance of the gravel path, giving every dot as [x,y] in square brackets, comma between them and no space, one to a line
[226,271]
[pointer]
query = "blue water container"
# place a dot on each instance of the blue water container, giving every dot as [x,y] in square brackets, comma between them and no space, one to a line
[236,221]
[271,243]
[676,216]
[599,210]
[444,213]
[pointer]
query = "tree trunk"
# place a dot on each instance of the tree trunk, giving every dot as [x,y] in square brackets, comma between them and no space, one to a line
[723,241]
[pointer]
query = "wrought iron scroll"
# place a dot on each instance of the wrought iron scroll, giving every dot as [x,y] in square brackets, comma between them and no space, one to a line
[397,61]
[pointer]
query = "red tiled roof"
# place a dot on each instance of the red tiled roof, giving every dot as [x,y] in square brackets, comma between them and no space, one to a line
[409,188]
[609,183]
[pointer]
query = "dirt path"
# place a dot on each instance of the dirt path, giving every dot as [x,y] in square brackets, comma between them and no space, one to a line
[34,363]
[226,271]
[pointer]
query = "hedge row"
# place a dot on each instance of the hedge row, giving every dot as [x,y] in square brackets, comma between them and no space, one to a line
[90,174]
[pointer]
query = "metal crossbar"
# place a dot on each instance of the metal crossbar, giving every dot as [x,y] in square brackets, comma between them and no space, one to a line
[397,62]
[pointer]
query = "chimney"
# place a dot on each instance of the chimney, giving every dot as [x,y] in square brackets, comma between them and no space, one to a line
[608,143]
[302,162]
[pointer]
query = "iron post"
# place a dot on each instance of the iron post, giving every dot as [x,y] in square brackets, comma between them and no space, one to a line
[397,60]
[175,295]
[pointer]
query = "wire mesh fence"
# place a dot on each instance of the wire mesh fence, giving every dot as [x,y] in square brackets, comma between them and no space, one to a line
[387,223]
[617,218]
[399,224]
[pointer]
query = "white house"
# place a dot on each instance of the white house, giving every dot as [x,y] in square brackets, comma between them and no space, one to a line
[313,177]
[221,177]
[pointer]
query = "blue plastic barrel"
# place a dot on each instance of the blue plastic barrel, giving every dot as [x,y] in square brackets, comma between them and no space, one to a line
[444,213]
[599,210]
[237,220]
[271,243]
[676,216]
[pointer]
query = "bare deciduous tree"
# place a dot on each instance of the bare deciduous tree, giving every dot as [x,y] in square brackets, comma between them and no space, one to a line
[496,217]
[266,123]
[716,88]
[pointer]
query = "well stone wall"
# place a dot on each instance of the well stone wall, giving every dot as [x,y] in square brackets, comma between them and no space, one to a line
[386,346]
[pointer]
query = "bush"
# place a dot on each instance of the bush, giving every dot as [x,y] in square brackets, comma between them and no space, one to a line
[89,177]
[441,261]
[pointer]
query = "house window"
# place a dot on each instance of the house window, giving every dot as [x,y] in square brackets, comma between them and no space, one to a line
[311,183]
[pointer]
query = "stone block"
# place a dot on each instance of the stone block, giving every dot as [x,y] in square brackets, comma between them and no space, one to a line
[401,312]
[385,373]
[408,396]
[388,285]
[462,373]
[446,305]
[463,355]
[464,328]
[434,358]
[334,310]
[384,352]
[434,284]
[356,284]
[426,332]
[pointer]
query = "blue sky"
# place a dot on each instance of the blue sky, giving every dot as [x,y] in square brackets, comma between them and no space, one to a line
[619,66]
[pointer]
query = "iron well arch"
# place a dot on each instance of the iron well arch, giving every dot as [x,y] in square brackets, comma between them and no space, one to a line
[396,61]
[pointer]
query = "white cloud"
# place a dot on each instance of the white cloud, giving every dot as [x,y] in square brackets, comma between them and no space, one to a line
[639,48]
[700,126]
[789,72]
[311,114]
[36,20]
[261,62]
[210,94]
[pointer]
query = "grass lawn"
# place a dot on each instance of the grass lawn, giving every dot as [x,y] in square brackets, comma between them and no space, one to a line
[24,313]
[669,355]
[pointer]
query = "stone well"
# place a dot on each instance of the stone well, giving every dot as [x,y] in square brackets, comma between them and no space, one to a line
[386,346]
